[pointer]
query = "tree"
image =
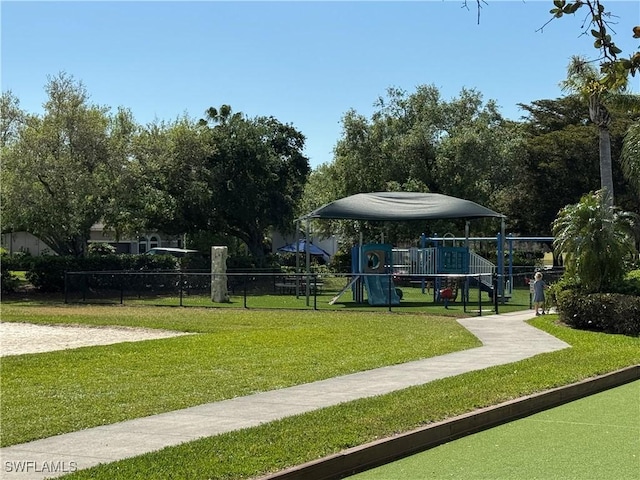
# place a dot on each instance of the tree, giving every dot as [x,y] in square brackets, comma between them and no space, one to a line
[257,175]
[56,172]
[630,158]
[472,160]
[172,180]
[614,71]
[596,238]
[12,118]
[420,142]
[557,165]
[558,162]
[597,24]
[561,166]
[584,80]
[323,186]
[125,200]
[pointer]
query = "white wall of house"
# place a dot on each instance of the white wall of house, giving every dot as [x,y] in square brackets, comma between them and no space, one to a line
[16,242]
[142,244]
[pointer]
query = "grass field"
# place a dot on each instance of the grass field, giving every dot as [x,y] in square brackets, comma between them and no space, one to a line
[235,353]
[597,437]
[414,300]
[242,351]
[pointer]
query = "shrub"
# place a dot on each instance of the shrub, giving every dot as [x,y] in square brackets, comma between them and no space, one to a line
[18,260]
[242,263]
[605,312]
[596,239]
[47,273]
[200,262]
[631,283]
[9,282]
[341,262]
[101,249]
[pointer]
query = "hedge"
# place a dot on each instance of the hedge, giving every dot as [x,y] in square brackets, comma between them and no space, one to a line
[605,312]
[47,273]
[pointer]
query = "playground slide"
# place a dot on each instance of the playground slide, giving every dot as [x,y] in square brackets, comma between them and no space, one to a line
[378,290]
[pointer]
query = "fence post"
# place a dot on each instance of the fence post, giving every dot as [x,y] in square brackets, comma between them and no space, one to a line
[122,277]
[495,292]
[244,288]
[315,292]
[479,295]
[389,290]
[66,286]
[180,282]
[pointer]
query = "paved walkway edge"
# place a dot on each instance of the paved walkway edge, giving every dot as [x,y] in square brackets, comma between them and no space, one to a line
[380,452]
[505,338]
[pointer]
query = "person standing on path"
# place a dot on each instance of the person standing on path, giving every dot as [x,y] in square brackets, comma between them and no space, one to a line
[538,293]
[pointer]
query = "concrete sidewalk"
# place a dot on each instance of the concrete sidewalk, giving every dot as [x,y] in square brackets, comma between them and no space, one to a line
[506,338]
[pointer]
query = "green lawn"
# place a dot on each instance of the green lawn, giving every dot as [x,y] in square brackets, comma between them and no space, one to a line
[235,353]
[291,441]
[413,301]
[259,346]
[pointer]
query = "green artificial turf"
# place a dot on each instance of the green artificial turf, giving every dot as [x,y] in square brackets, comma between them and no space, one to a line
[597,437]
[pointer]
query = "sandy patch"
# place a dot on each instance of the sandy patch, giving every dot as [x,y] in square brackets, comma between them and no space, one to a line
[20,338]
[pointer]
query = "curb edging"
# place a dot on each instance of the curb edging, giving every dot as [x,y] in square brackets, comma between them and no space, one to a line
[380,452]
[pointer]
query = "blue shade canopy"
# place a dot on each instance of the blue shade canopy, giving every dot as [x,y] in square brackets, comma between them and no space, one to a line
[400,206]
[302,244]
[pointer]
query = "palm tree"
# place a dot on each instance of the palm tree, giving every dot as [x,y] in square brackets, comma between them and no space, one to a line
[584,79]
[595,238]
[630,158]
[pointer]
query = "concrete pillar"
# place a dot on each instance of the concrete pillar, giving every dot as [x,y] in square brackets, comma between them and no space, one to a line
[219,292]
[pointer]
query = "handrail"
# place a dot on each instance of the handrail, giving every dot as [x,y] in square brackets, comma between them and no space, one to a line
[480,265]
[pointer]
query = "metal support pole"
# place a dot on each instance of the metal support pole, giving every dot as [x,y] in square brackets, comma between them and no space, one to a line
[308,259]
[480,295]
[244,288]
[315,292]
[389,289]
[495,292]
[297,258]
[502,232]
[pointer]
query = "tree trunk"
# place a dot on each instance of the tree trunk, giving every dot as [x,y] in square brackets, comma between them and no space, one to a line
[253,239]
[600,116]
[606,172]
[256,247]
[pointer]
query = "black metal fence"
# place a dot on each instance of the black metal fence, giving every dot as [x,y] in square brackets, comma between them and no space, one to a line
[254,289]
[179,288]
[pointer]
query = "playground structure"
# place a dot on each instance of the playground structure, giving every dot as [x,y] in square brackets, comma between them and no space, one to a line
[375,266]
[395,206]
[372,265]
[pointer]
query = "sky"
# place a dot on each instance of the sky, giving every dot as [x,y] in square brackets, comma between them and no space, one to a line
[305,63]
